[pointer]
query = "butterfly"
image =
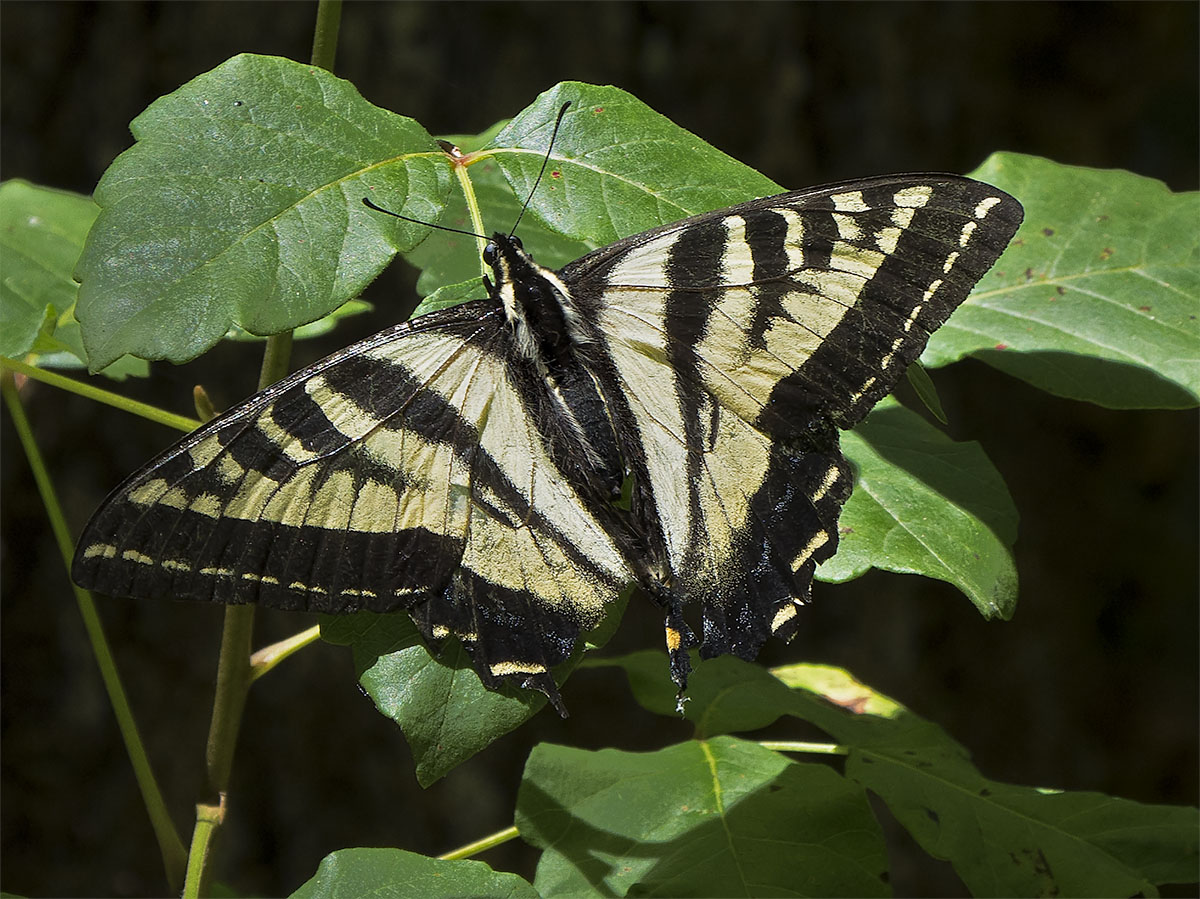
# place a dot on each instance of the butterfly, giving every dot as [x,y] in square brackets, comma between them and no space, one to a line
[468,466]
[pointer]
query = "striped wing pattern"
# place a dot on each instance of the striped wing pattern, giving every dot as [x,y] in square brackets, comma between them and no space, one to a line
[401,473]
[461,466]
[742,340]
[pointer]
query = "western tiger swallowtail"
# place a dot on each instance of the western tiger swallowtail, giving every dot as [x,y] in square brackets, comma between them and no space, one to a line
[463,466]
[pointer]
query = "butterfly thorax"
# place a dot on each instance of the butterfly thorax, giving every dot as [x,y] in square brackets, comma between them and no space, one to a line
[538,306]
[551,337]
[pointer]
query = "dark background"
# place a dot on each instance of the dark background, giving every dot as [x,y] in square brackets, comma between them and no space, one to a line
[1091,686]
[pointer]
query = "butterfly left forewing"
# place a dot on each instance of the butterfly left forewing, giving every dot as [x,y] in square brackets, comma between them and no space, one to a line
[401,473]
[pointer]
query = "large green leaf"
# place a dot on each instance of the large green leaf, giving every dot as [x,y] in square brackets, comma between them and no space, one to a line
[438,701]
[925,504]
[617,167]
[445,712]
[380,873]
[1098,297]
[1003,840]
[717,818]
[241,203]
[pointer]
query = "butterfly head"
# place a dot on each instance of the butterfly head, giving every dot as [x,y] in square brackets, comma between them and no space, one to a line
[536,302]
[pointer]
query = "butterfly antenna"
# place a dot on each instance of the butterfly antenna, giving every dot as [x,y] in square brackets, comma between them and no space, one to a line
[367,202]
[554,134]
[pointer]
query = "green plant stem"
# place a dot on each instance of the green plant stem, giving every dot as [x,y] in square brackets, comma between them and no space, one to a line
[169,842]
[801,746]
[468,189]
[145,410]
[325,33]
[269,656]
[208,819]
[234,671]
[495,839]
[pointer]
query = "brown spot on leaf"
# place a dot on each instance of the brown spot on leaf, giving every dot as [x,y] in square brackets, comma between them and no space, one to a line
[1000,346]
[1049,232]
[1106,253]
[1144,308]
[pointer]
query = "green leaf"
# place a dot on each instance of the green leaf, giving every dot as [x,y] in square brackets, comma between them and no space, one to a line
[241,203]
[312,329]
[925,504]
[41,237]
[1098,297]
[439,702]
[447,259]
[42,233]
[717,818]
[353,873]
[1003,840]
[617,167]
[445,712]
[926,391]
[449,295]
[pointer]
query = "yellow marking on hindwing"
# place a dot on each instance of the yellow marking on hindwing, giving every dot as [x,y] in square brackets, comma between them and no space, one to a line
[831,478]
[782,617]
[441,632]
[967,230]
[175,565]
[503,669]
[132,555]
[819,539]
[950,260]
[260,578]
[101,550]
[217,572]
[985,206]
